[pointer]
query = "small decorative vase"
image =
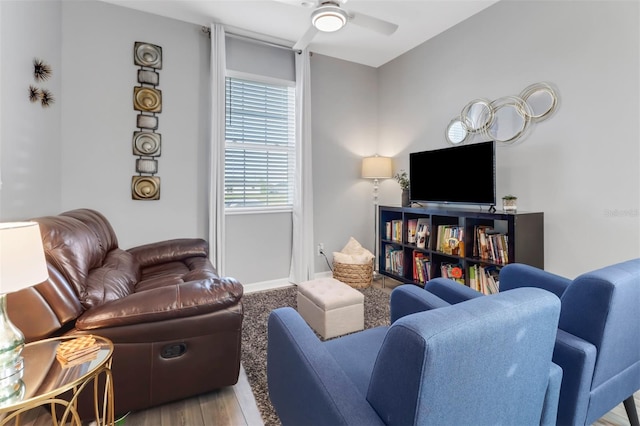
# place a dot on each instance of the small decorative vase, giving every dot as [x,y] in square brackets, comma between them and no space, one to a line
[510,205]
[405,198]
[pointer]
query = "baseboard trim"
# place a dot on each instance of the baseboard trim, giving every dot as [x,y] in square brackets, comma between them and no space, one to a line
[275,284]
[266,285]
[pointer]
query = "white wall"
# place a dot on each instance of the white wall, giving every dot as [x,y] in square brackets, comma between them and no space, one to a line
[99,120]
[29,134]
[581,167]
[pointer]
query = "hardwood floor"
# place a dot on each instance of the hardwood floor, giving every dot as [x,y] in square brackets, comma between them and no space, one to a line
[232,406]
[235,406]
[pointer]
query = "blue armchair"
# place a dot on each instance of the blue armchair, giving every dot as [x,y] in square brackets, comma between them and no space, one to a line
[598,340]
[485,361]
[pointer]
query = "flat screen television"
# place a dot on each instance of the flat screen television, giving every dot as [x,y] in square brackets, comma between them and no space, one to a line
[462,174]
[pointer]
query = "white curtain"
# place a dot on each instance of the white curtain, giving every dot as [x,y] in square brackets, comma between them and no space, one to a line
[216,163]
[302,266]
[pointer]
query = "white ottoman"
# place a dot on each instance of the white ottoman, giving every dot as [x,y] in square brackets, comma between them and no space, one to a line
[331,307]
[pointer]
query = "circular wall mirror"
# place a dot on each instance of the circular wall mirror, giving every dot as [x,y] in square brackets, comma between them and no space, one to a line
[477,115]
[511,118]
[456,132]
[541,98]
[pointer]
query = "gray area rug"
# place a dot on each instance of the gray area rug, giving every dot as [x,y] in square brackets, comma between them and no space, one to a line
[257,307]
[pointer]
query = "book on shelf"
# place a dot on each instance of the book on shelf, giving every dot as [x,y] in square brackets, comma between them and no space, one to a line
[423,232]
[490,245]
[453,271]
[450,239]
[396,230]
[412,225]
[387,229]
[484,278]
[394,260]
[421,267]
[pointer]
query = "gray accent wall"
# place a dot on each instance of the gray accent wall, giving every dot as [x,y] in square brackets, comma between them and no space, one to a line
[99,120]
[581,167]
[344,111]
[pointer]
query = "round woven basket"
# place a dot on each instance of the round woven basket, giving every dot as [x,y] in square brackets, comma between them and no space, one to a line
[357,276]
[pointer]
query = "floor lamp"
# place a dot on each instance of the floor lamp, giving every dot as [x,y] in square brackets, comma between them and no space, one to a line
[376,168]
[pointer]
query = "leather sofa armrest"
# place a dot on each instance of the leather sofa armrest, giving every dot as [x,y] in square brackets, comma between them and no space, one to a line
[186,299]
[170,251]
[305,381]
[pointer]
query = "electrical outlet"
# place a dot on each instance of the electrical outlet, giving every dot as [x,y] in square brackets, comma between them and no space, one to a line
[320,249]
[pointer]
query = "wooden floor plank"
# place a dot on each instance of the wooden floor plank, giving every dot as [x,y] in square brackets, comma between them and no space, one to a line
[185,412]
[221,408]
[246,400]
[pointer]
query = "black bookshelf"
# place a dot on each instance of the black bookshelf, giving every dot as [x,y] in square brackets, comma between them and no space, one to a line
[524,242]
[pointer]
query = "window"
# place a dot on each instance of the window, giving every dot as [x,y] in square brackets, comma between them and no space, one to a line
[260,145]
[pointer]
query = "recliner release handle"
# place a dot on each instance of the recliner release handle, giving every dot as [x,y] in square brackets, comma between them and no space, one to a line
[173,350]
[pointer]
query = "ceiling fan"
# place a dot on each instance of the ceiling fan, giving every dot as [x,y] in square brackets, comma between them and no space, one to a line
[329,16]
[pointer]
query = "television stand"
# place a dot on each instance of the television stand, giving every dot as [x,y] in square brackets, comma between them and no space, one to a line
[459,241]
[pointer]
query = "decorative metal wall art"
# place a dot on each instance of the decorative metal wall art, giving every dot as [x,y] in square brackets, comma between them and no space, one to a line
[145,187]
[146,143]
[41,70]
[504,120]
[41,73]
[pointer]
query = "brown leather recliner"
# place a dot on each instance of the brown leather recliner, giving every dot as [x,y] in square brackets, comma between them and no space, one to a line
[175,324]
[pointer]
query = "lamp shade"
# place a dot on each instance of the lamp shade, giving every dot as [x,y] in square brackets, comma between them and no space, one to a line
[22,262]
[376,167]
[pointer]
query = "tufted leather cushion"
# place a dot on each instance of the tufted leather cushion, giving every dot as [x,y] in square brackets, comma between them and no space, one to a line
[99,225]
[114,279]
[80,244]
[71,247]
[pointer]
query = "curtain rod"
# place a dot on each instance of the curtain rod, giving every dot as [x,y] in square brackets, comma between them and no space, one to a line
[207,30]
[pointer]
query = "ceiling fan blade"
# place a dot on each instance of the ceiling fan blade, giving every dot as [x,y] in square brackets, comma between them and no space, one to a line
[305,39]
[303,3]
[375,24]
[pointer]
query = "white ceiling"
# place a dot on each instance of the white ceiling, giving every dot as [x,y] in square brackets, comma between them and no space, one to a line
[277,21]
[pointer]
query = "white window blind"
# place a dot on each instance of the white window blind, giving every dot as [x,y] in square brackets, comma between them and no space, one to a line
[260,145]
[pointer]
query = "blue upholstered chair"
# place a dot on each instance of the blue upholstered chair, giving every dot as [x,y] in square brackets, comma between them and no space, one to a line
[598,341]
[485,361]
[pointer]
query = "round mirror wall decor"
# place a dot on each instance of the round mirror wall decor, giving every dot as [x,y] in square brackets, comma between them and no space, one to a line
[477,115]
[511,118]
[542,100]
[456,132]
[504,120]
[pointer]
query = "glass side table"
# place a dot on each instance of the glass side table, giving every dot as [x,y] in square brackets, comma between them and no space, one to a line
[45,379]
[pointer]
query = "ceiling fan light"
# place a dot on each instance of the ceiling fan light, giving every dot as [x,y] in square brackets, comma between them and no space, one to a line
[328,18]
